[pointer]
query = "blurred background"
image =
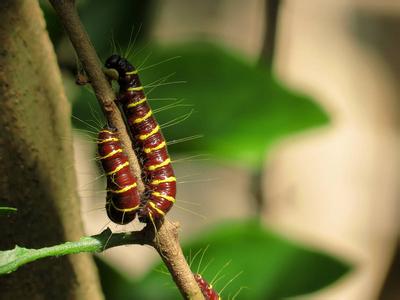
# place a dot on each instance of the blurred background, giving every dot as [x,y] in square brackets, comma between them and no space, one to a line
[288,115]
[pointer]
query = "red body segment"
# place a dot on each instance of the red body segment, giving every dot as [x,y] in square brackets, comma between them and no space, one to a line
[123,198]
[149,142]
[208,292]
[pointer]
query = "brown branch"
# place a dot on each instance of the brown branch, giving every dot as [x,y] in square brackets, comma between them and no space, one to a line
[166,241]
[87,55]
[271,21]
[167,245]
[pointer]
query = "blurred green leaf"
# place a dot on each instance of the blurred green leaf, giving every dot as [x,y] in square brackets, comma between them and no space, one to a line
[115,284]
[270,267]
[7,210]
[238,257]
[241,109]
[119,19]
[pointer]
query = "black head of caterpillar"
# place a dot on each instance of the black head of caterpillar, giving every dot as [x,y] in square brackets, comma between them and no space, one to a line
[119,63]
[123,67]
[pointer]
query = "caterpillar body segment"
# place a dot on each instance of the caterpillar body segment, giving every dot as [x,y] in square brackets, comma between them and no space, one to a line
[148,140]
[207,289]
[123,197]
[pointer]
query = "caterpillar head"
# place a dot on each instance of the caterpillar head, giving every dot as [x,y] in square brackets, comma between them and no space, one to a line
[120,64]
[113,61]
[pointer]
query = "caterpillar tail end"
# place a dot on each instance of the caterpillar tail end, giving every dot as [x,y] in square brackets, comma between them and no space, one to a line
[117,216]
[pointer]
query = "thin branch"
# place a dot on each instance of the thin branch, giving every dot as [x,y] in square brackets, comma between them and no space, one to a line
[167,245]
[271,21]
[11,260]
[86,53]
[166,241]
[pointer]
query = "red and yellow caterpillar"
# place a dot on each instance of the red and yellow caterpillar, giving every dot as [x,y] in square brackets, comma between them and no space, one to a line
[148,140]
[123,198]
[208,292]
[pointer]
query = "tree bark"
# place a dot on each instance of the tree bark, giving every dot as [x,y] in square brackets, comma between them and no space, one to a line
[36,161]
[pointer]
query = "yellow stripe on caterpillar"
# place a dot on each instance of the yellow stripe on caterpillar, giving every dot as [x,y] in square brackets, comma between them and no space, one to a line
[161,145]
[166,197]
[158,181]
[113,139]
[134,104]
[151,203]
[120,167]
[112,153]
[132,72]
[146,116]
[135,89]
[124,209]
[106,131]
[155,167]
[123,190]
[145,136]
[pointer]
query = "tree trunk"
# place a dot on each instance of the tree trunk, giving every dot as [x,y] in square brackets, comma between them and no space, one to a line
[36,161]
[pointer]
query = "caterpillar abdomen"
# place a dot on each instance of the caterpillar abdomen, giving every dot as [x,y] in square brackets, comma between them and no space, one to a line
[149,142]
[208,292]
[123,198]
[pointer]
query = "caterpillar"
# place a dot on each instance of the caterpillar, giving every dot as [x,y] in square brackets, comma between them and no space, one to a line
[123,197]
[208,292]
[148,140]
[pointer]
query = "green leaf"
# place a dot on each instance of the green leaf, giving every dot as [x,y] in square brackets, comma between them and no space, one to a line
[240,109]
[123,22]
[118,19]
[115,284]
[270,266]
[7,210]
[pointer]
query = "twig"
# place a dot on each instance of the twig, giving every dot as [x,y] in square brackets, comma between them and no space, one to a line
[271,21]
[166,241]
[10,260]
[167,245]
[87,55]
